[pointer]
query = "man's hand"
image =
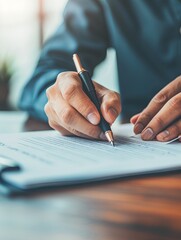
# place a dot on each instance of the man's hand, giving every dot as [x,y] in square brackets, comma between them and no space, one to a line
[161,119]
[70,111]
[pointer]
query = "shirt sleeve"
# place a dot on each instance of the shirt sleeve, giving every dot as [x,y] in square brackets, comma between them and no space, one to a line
[84,32]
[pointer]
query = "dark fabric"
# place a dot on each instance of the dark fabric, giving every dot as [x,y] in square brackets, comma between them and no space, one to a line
[145,34]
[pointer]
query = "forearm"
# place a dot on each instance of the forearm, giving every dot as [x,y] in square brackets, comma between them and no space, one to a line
[82,31]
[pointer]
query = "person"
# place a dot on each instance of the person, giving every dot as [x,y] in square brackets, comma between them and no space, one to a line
[146,36]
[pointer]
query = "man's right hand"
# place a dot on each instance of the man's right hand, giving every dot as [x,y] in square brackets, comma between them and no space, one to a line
[70,111]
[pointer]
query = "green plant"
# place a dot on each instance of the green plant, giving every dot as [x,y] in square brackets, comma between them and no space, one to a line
[6,71]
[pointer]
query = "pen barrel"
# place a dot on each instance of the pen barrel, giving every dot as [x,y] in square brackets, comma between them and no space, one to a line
[90,91]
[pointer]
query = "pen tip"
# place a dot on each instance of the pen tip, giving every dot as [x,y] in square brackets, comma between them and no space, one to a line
[112,143]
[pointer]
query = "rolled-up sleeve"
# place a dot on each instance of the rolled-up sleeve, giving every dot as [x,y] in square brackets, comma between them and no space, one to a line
[83,31]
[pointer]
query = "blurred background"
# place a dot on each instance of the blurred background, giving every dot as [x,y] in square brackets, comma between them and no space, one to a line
[24,26]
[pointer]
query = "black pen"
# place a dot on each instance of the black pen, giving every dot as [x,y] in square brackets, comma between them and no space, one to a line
[89,89]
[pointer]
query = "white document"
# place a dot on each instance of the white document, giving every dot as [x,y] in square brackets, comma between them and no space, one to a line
[48,159]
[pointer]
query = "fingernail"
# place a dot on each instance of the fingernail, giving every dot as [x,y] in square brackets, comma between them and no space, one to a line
[92,118]
[113,112]
[102,136]
[138,128]
[163,134]
[147,134]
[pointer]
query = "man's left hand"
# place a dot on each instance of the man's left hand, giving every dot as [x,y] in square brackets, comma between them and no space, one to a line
[161,119]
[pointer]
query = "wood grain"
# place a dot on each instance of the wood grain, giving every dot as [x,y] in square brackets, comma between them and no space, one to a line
[134,208]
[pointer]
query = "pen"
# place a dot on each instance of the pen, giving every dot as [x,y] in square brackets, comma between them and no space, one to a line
[89,89]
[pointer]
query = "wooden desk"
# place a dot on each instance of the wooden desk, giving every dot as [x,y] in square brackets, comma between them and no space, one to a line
[137,208]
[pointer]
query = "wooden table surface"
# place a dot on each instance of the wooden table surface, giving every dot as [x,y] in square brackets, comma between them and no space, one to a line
[134,208]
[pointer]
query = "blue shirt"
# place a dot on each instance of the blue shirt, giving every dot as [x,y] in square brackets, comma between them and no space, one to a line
[146,35]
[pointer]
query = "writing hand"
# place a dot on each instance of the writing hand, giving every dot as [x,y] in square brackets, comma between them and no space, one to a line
[161,119]
[70,111]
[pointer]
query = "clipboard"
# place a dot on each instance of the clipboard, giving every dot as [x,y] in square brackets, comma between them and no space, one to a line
[7,165]
[38,161]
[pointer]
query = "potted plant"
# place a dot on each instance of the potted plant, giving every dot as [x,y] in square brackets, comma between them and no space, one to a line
[6,73]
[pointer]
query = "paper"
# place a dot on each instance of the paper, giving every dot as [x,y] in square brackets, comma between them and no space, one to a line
[47,158]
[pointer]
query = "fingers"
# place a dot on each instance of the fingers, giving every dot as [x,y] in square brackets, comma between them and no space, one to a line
[70,111]
[53,120]
[170,133]
[135,118]
[73,121]
[110,103]
[71,89]
[65,119]
[156,104]
[111,106]
[168,114]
